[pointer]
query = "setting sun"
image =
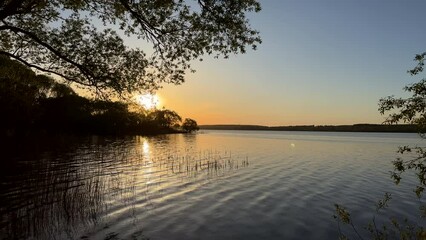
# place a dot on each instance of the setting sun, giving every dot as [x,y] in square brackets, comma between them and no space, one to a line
[148,101]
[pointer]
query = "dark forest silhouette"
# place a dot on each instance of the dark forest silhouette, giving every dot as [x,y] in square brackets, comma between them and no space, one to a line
[322,128]
[34,104]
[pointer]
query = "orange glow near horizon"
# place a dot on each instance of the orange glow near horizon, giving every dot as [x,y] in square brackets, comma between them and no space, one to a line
[216,107]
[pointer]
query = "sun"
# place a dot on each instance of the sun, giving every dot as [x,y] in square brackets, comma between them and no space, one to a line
[148,101]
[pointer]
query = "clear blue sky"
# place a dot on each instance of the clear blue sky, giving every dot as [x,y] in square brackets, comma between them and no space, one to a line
[321,62]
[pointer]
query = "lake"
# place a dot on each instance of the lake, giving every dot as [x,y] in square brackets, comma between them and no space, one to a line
[210,185]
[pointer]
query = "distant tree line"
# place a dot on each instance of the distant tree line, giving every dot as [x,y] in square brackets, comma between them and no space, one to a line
[325,128]
[34,104]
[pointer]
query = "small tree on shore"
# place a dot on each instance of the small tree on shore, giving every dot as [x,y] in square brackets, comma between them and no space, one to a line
[190,125]
[165,118]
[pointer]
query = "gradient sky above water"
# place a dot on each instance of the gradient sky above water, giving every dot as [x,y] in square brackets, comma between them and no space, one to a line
[321,62]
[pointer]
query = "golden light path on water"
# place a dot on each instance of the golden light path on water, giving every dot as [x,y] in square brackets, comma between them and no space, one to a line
[147,157]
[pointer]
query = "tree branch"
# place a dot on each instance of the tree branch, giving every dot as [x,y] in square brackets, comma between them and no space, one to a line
[43,69]
[145,24]
[32,36]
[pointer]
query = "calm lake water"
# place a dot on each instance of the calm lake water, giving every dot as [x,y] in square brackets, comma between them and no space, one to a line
[210,185]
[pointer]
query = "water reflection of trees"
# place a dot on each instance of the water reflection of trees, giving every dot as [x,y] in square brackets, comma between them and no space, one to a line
[60,192]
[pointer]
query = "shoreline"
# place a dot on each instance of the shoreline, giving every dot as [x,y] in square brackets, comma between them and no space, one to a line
[399,128]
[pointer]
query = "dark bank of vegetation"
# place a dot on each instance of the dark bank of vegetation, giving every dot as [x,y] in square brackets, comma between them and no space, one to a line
[37,104]
[326,128]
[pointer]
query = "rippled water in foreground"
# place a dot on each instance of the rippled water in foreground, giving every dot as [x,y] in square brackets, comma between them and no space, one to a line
[211,185]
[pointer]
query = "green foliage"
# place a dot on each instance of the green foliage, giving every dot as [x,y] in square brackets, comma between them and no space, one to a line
[410,110]
[393,230]
[62,37]
[342,215]
[190,125]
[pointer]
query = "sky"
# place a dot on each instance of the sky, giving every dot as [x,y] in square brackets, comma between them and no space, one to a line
[321,62]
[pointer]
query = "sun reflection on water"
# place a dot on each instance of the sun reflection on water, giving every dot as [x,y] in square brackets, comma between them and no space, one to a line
[145,148]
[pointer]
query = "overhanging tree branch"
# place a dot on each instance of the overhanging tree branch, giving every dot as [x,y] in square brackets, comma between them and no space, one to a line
[34,37]
[145,24]
[61,36]
[44,69]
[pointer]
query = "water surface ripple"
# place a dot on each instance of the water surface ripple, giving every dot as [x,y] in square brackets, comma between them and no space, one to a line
[212,185]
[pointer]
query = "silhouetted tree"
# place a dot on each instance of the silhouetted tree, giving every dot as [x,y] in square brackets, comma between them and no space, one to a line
[61,37]
[190,125]
[21,91]
[31,103]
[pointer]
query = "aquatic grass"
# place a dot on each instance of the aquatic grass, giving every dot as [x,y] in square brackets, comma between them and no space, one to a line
[209,163]
[68,192]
